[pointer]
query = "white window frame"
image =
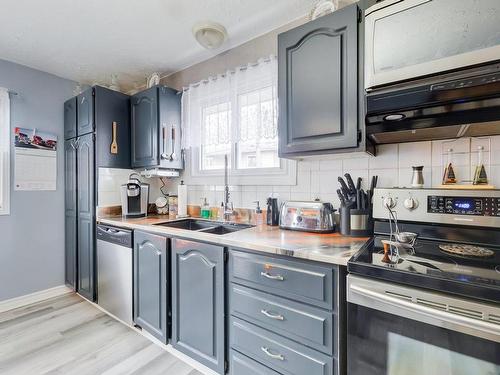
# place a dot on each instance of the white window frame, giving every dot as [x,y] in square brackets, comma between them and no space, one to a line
[5,154]
[285,174]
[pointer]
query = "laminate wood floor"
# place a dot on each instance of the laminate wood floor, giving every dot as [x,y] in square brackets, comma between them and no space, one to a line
[68,336]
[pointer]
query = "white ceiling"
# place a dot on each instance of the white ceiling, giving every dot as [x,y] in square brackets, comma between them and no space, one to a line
[88,40]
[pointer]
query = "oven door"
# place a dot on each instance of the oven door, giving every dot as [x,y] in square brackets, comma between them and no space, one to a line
[395,330]
[406,39]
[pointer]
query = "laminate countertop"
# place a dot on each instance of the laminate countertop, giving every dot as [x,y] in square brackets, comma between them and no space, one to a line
[330,248]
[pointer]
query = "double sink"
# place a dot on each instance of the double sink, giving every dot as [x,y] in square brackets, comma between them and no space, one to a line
[205,226]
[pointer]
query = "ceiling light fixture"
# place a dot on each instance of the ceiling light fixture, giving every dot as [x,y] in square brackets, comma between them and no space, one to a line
[210,35]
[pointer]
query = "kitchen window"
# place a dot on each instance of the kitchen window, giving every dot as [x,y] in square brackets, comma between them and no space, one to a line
[235,114]
[4,152]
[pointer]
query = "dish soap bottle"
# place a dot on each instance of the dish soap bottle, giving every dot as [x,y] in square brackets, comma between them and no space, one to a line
[480,176]
[205,209]
[259,216]
[449,176]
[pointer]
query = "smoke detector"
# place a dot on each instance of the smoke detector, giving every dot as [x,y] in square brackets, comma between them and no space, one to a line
[210,35]
[323,7]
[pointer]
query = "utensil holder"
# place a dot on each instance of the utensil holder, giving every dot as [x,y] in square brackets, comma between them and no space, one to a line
[355,223]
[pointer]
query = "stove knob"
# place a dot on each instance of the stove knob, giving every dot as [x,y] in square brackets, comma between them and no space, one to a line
[410,203]
[389,202]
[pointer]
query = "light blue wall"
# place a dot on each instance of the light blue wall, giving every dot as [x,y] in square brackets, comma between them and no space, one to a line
[32,236]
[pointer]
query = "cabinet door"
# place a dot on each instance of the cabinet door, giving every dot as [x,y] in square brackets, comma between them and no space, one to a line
[198,302]
[86,217]
[317,84]
[112,118]
[144,125]
[170,124]
[70,118]
[70,238]
[150,284]
[85,112]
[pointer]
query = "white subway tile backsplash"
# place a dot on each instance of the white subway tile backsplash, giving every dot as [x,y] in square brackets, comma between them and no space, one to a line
[386,177]
[330,165]
[318,178]
[414,154]
[386,157]
[353,164]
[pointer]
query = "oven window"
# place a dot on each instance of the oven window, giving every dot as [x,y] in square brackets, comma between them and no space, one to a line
[434,30]
[407,356]
[380,343]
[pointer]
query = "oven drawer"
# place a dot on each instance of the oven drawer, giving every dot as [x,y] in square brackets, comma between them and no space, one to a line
[282,355]
[303,282]
[303,323]
[242,365]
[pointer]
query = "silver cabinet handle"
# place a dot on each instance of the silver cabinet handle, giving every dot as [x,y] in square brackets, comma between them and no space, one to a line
[273,356]
[272,277]
[272,316]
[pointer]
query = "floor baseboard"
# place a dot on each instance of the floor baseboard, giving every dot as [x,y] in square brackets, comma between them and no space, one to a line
[35,297]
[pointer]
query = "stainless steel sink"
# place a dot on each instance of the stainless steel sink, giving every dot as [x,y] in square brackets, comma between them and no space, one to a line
[206,226]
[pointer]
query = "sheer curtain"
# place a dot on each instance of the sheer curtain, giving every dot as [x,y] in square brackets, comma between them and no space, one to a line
[4,151]
[220,110]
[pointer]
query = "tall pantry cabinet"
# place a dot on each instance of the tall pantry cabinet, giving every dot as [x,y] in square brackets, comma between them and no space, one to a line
[93,121]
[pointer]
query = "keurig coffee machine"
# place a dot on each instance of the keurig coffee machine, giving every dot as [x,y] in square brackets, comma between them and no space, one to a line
[134,197]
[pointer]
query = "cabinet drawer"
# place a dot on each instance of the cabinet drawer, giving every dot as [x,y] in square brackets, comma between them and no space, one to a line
[282,355]
[303,323]
[242,365]
[304,282]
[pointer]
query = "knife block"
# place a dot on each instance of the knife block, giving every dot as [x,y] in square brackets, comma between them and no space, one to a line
[356,223]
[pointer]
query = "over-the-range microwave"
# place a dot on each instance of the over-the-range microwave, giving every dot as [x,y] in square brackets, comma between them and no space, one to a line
[406,39]
[432,70]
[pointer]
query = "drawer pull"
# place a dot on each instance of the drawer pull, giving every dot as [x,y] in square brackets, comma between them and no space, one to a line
[273,356]
[272,277]
[272,316]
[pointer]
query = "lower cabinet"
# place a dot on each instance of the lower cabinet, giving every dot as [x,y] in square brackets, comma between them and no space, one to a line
[151,284]
[198,302]
[242,365]
[284,316]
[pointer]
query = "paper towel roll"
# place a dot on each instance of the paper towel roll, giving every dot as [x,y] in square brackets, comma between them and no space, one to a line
[182,200]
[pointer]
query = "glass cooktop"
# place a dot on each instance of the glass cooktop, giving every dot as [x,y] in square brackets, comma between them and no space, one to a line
[448,267]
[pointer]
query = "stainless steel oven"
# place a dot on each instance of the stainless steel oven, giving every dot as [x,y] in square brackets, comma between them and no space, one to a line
[407,39]
[397,330]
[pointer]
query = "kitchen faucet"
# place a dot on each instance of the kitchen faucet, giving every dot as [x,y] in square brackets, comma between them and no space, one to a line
[228,206]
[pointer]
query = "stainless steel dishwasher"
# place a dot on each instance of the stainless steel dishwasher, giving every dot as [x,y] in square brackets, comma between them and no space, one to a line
[114,271]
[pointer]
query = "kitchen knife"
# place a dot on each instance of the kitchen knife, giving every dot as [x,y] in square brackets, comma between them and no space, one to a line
[344,187]
[363,199]
[359,197]
[350,183]
[358,183]
[341,197]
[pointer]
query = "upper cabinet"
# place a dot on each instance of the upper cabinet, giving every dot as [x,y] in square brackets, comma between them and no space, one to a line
[107,113]
[70,118]
[145,133]
[318,85]
[85,111]
[112,117]
[155,123]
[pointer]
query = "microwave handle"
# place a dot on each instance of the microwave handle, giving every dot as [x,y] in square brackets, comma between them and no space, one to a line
[364,296]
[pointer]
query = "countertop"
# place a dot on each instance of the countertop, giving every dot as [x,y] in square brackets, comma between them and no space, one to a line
[327,248]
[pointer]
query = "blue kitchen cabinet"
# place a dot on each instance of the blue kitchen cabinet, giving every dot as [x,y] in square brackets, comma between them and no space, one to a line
[151,284]
[198,302]
[156,129]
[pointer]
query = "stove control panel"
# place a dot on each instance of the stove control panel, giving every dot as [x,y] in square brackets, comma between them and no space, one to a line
[466,205]
[441,206]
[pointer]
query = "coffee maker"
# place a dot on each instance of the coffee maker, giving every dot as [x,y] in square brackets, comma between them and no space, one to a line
[134,197]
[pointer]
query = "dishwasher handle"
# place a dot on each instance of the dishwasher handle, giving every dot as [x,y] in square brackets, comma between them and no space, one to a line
[119,236]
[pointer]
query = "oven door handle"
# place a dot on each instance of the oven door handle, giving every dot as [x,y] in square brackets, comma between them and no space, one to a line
[406,307]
